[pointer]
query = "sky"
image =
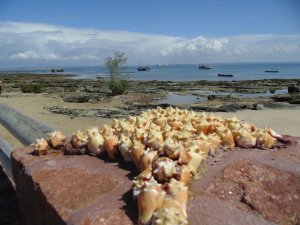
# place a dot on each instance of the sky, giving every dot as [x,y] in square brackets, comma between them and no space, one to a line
[85,32]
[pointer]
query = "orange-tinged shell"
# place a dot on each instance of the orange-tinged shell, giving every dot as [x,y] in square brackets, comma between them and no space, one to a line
[155,139]
[150,199]
[203,126]
[196,160]
[79,139]
[170,213]
[140,180]
[56,139]
[264,139]
[179,191]
[110,145]
[136,151]
[40,146]
[244,138]
[95,142]
[163,169]
[160,121]
[147,159]
[226,137]
[185,174]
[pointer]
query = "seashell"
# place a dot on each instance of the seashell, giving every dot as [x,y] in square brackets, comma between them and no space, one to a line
[184,156]
[140,180]
[274,134]
[175,123]
[196,160]
[204,127]
[136,151]
[226,137]
[264,139]
[139,134]
[107,131]
[170,213]
[150,198]
[160,121]
[179,191]
[154,127]
[110,145]
[40,147]
[70,150]
[132,120]
[154,139]
[189,127]
[183,135]
[126,128]
[116,125]
[250,127]
[183,174]
[56,139]
[215,141]
[147,159]
[244,138]
[79,139]
[232,123]
[95,141]
[163,169]
[172,148]
[142,122]
[124,146]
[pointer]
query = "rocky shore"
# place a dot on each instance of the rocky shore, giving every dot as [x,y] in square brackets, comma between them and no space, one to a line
[210,96]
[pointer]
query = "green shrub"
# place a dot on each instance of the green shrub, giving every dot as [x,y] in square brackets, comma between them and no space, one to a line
[118,82]
[32,88]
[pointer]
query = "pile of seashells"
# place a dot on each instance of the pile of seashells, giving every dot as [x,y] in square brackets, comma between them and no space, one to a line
[167,146]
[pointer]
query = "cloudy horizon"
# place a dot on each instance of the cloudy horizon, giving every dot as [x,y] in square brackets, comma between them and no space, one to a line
[38,44]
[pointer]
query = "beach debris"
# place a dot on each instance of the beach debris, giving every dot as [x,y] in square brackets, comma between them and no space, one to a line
[168,147]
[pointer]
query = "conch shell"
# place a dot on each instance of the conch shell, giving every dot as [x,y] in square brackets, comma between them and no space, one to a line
[226,136]
[110,145]
[179,192]
[95,141]
[79,139]
[244,138]
[150,199]
[147,159]
[40,146]
[164,168]
[124,146]
[170,213]
[56,139]
[264,139]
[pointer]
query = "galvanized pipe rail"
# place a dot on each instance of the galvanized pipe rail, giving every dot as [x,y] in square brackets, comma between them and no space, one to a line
[24,128]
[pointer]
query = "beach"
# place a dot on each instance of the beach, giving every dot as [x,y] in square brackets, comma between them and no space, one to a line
[69,105]
[56,108]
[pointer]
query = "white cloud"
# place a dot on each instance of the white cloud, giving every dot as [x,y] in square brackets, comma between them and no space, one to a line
[36,44]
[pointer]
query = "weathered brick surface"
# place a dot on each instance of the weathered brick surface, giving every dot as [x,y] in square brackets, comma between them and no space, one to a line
[236,188]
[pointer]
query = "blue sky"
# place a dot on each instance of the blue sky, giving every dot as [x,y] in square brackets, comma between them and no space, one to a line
[49,32]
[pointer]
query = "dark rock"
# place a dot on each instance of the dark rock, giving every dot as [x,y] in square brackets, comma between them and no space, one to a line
[259,106]
[293,89]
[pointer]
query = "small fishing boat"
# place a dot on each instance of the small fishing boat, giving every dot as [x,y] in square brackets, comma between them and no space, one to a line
[271,71]
[224,75]
[143,68]
[204,67]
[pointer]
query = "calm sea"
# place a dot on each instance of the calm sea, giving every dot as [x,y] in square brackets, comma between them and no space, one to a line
[241,71]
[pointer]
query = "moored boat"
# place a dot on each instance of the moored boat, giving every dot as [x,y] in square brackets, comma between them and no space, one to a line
[204,67]
[224,75]
[143,68]
[271,71]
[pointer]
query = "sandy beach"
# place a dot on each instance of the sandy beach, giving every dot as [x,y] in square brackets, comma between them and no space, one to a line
[283,119]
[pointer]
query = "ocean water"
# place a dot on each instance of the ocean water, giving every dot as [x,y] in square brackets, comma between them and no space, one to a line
[246,71]
[191,72]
